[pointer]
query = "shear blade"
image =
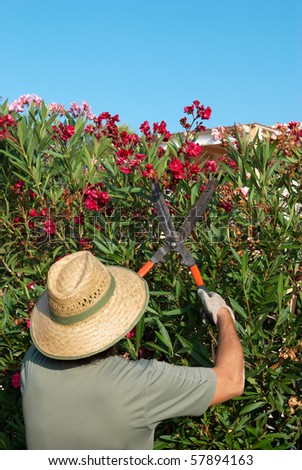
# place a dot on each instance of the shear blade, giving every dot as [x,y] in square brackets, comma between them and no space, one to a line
[197,211]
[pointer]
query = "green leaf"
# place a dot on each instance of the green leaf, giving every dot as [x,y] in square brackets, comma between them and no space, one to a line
[164,335]
[252,407]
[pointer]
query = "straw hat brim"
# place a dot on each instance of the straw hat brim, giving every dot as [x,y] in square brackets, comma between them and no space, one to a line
[97,333]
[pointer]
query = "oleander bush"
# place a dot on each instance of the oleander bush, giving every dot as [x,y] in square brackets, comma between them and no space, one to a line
[71,180]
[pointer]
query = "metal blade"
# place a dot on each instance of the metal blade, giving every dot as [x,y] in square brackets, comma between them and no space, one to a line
[163,215]
[197,211]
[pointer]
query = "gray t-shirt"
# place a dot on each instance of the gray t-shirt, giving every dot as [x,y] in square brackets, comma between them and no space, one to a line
[112,403]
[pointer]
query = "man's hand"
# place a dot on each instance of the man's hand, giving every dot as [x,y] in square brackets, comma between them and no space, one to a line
[212,303]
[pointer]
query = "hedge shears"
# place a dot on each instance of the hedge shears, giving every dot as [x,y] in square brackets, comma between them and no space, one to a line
[174,239]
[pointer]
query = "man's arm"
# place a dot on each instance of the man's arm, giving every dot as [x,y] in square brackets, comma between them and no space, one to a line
[229,361]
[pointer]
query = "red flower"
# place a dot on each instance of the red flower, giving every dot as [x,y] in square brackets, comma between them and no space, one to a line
[140,156]
[94,199]
[177,168]
[16,380]
[43,212]
[79,220]
[162,129]
[211,166]
[17,221]
[6,122]
[227,206]
[193,149]
[89,129]
[125,169]
[206,114]
[31,285]
[84,241]
[189,109]
[64,132]
[50,227]
[194,169]
[149,171]
[145,128]
[33,212]
[131,333]
[17,187]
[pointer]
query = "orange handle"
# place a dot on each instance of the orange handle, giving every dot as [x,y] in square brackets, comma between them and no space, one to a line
[145,269]
[197,276]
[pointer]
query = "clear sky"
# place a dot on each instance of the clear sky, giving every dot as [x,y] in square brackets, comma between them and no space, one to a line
[147,59]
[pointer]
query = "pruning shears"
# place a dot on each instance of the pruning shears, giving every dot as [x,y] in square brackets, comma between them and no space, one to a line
[174,239]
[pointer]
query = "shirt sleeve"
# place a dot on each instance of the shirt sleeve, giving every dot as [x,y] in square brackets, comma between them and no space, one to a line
[175,391]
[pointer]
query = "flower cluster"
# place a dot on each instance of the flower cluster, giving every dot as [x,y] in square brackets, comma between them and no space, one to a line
[95,198]
[159,130]
[104,125]
[25,100]
[6,122]
[287,136]
[42,219]
[63,132]
[199,113]
[127,159]
[81,110]
[56,108]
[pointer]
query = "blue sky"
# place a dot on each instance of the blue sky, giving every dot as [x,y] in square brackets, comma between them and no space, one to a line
[146,60]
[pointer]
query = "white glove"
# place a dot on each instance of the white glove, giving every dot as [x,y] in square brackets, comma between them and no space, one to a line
[212,302]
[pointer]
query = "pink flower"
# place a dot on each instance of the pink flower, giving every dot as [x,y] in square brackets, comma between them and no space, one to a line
[25,100]
[16,380]
[56,108]
[244,191]
[28,323]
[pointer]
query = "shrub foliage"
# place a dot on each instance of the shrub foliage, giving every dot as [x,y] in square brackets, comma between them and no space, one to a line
[73,181]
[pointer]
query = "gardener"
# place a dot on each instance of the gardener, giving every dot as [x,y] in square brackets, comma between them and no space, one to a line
[78,394]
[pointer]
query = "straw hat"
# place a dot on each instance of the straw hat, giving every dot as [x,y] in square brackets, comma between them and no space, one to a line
[87,307]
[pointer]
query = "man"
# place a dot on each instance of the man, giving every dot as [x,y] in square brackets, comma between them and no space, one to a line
[78,395]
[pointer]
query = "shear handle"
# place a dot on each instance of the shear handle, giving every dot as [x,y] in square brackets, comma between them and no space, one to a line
[197,277]
[145,269]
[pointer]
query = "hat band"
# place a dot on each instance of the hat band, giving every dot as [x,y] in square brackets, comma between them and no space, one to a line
[89,312]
